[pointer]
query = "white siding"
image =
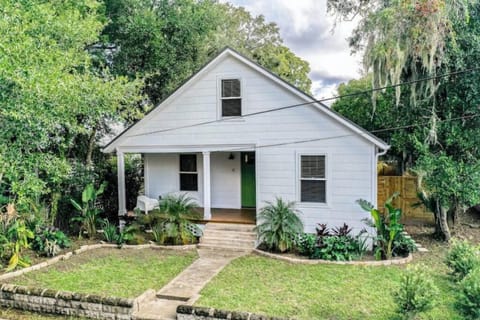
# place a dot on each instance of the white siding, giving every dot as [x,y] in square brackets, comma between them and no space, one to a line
[350,157]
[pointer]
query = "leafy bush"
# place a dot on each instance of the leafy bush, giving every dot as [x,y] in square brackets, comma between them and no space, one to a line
[49,241]
[306,244]
[402,245]
[338,248]
[462,258]
[279,225]
[387,225]
[416,293]
[110,233]
[469,301]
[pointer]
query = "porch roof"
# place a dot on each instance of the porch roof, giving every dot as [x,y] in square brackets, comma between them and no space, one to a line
[186,148]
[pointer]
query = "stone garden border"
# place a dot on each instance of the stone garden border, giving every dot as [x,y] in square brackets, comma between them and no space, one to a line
[187,312]
[399,261]
[71,303]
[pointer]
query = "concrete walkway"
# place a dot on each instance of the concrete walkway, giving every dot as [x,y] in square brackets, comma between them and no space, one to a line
[184,288]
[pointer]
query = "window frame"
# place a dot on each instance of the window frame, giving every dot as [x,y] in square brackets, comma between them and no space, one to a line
[221,98]
[180,172]
[300,178]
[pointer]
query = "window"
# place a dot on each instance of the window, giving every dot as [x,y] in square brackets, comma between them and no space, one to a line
[231,98]
[188,172]
[313,179]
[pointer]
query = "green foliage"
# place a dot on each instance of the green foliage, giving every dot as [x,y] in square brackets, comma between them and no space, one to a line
[46,75]
[18,236]
[89,211]
[306,244]
[278,225]
[49,241]
[462,258]
[469,300]
[125,235]
[171,223]
[387,226]
[402,245]
[417,292]
[338,248]
[109,231]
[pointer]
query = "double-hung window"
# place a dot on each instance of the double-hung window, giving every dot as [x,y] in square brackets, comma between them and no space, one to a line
[231,98]
[188,172]
[313,178]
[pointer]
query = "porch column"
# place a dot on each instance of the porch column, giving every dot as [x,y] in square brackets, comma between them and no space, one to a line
[207,214]
[122,207]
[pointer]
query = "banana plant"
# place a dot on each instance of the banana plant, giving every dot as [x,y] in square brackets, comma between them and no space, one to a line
[388,226]
[89,211]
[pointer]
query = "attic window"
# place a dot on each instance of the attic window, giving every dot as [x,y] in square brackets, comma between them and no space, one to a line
[231,98]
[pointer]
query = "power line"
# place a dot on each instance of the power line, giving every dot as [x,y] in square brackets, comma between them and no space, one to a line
[348,135]
[308,103]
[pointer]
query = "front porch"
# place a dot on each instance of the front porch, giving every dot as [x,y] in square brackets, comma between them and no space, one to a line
[238,216]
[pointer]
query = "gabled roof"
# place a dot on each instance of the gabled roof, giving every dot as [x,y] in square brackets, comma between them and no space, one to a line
[110,147]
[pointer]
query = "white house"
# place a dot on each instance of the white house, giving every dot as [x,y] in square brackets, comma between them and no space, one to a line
[235,135]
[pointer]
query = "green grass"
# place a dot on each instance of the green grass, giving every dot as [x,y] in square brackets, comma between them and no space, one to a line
[112,272]
[277,288]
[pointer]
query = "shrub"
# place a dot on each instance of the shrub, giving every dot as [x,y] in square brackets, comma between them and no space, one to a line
[462,258]
[306,244]
[416,293]
[279,225]
[402,246]
[469,301]
[338,248]
[49,241]
[110,233]
[88,209]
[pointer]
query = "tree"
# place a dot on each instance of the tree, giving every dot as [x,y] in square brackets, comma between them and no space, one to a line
[49,94]
[405,41]
[167,41]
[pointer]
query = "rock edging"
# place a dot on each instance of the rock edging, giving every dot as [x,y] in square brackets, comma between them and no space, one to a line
[405,260]
[187,312]
[65,302]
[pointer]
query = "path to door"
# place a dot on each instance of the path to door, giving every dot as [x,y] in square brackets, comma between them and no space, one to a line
[184,289]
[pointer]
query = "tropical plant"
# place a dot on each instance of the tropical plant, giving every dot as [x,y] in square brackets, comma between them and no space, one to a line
[403,245]
[110,233]
[416,293]
[338,248]
[172,223]
[49,241]
[387,226]
[462,258]
[18,236]
[306,244]
[279,225]
[125,235]
[89,211]
[469,300]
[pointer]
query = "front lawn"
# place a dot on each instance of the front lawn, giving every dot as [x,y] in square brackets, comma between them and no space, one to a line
[277,288]
[111,272]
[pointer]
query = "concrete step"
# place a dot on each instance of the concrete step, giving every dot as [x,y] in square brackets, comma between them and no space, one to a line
[242,243]
[224,248]
[226,234]
[229,227]
[158,309]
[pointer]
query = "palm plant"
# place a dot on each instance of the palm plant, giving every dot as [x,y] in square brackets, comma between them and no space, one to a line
[279,225]
[173,220]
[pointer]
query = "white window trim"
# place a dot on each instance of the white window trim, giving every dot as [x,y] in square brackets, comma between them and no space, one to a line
[187,172]
[299,178]
[220,98]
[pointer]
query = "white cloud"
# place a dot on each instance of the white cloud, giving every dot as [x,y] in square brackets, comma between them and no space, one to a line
[306,29]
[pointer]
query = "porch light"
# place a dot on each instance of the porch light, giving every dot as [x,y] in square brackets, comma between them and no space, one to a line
[231,156]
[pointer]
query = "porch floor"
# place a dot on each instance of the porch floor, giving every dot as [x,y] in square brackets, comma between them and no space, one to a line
[241,216]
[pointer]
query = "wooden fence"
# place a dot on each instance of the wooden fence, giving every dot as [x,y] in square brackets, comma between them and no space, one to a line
[407,186]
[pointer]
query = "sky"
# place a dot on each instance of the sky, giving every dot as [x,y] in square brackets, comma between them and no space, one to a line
[306,29]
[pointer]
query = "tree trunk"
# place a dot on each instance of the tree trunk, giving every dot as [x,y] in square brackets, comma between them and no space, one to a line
[91,145]
[441,224]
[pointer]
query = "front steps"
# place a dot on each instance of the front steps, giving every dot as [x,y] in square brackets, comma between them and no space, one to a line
[228,237]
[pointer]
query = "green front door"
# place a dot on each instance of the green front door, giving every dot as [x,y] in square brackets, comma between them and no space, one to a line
[248,180]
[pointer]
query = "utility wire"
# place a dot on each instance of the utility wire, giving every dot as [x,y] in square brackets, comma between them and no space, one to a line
[347,135]
[310,102]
